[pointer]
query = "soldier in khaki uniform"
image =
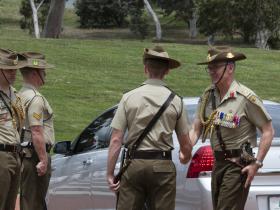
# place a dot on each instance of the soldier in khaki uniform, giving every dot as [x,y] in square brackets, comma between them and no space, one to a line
[38,136]
[229,114]
[151,176]
[11,122]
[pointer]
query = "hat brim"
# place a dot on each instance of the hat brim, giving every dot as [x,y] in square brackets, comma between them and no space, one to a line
[20,64]
[173,64]
[47,66]
[222,58]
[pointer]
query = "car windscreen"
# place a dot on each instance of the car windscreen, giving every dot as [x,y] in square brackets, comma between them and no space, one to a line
[273,110]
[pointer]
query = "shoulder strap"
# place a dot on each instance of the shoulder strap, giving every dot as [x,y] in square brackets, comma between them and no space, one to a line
[152,122]
[218,129]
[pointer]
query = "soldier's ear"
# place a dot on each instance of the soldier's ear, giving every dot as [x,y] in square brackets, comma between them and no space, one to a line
[231,67]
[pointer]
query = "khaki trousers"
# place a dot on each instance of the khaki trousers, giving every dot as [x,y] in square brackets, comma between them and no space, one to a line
[228,192]
[33,187]
[9,179]
[148,181]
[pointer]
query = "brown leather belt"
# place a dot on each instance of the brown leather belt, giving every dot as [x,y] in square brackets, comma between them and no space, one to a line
[10,148]
[222,155]
[31,146]
[151,155]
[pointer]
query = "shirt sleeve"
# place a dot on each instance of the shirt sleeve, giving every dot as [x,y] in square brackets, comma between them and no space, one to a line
[36,111]
[183,123]
[119,121]
[256,112]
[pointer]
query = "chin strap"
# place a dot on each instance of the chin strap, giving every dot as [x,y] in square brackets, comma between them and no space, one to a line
[222,75]
[40,77]
[5,77]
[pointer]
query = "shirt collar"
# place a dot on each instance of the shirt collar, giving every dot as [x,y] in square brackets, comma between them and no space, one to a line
[232,91]
[156,82]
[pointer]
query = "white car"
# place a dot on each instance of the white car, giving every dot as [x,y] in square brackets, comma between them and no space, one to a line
[79,182]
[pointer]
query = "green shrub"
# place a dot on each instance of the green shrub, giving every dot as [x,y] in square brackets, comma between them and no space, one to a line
[101,13]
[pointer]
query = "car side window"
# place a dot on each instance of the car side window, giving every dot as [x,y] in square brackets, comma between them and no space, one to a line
[97,135]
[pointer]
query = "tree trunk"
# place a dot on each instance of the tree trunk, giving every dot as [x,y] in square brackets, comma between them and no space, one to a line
[262,38]
[193,28]
[54,20]
[155,18]
[211,40]
[35,19]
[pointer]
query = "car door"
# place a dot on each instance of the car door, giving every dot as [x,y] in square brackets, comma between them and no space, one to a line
[102,197]
[73,181]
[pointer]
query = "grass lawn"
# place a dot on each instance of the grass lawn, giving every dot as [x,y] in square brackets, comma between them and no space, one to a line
[92,75]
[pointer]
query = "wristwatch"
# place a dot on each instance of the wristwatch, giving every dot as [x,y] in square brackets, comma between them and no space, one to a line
[259,163]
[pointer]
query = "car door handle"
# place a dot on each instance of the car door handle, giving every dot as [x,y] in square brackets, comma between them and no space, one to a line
[87,162]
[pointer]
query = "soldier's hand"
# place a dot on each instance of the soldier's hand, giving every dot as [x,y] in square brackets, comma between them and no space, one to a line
[251,171]
[113,186]
[184,159]
[41,168]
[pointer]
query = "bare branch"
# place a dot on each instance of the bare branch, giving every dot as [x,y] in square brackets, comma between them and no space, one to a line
[155,18]
[40,4]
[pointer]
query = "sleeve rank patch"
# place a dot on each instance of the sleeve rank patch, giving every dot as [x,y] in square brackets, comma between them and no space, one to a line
[37,116]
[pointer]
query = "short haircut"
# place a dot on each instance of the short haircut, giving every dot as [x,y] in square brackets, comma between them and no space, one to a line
[157,67]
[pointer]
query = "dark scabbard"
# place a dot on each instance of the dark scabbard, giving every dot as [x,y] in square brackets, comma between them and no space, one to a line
[123,168]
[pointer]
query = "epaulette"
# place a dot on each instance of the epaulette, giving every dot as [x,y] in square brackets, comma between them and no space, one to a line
[126,91]
[174,92]
[249,94]
[36,94]
[206,93]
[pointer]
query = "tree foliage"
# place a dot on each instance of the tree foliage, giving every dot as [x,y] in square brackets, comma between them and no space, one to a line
[138,22]
[26,21]
[244,17]
[101,13]
[183,8]
[113,13]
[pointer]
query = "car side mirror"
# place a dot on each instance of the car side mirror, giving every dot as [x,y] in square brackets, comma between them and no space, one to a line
[62,147]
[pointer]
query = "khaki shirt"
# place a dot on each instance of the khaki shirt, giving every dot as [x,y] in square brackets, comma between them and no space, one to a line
[239,113]
[138,107]
[9,124]
[38,112]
